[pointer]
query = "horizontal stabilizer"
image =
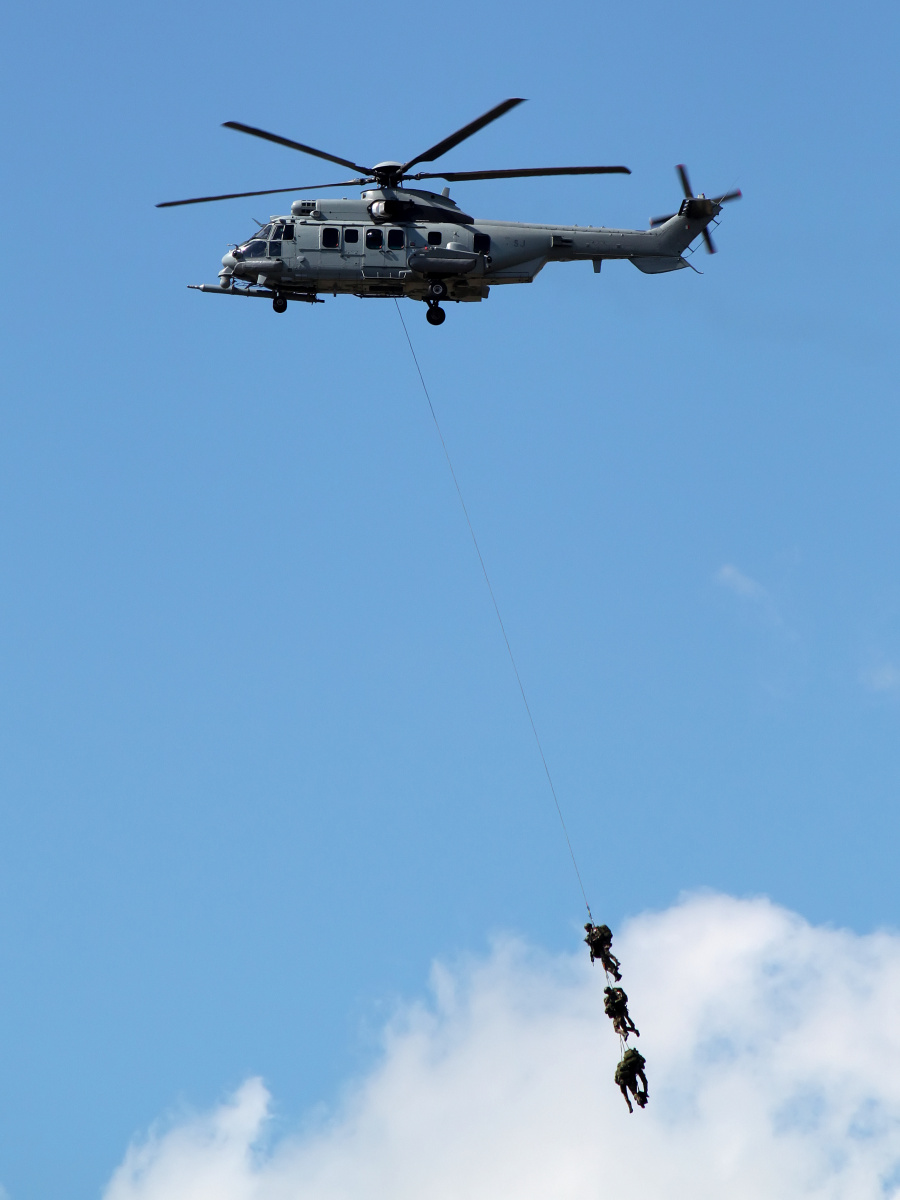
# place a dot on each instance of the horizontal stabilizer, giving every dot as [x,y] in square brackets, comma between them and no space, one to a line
[657,264]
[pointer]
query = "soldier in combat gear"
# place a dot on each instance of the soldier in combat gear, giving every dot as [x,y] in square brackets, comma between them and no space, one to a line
[615,1005]
[628,1072]
[599,940]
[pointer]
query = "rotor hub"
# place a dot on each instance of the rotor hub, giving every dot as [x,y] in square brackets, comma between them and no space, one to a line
[387,172]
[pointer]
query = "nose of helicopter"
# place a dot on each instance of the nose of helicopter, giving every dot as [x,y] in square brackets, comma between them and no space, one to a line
[228,260]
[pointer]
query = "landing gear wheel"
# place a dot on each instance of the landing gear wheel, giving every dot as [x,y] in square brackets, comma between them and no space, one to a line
[437,290]
[279,304]
[435,316]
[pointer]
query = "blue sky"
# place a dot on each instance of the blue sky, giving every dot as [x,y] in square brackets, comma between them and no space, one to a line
[262,754]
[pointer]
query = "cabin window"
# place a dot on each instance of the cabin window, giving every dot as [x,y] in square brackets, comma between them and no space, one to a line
[331,238]
[482,243]
[374,239]
[434,237]
[351,235]
[395,239]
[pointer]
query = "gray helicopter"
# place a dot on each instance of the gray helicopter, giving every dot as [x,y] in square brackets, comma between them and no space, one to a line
[397,240]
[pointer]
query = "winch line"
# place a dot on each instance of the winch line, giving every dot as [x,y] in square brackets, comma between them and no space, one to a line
[490,589]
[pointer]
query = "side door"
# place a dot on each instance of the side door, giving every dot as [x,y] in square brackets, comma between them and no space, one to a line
[374,235]
[331,262]
[281,242]
[385,252]
[353,251]
[305,245]
[395,250]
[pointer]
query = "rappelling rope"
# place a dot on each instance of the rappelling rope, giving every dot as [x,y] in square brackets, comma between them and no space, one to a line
[497,611]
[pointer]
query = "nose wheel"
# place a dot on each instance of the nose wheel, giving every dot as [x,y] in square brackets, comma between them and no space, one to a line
[435,314]
[437,289]
[279,304]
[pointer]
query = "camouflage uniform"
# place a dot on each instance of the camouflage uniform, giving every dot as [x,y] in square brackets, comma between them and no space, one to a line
[615,1005]
[599,940]
[628,1072]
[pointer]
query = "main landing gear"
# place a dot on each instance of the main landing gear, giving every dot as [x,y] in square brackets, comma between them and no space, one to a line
[437,291]
[279,304]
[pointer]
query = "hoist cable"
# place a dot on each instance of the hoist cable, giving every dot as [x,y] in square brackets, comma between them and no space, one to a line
[496,610]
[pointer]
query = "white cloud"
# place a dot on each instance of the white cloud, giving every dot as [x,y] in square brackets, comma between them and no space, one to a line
[885,678]
[739,583]
[773,1053]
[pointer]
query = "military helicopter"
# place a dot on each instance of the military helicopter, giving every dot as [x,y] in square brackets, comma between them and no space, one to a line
[397,240]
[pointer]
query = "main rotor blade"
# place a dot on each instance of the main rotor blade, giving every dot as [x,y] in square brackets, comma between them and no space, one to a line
[461,134]
[281,141]
[268,192]
[685,182]
[525,173]
[710,244]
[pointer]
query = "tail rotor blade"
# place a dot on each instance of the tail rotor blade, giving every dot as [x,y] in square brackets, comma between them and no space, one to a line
[685,182]
[710,244]
[654,221]
[729,196]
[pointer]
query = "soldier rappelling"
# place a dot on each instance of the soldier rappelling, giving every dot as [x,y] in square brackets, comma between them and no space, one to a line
[629,1071]
[599,940]
[615,1005]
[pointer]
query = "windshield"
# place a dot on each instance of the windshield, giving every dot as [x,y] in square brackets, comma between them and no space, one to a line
[253,249]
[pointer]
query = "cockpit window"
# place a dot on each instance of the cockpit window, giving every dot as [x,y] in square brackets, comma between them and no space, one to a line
[288,234]
[254,250]
[265,232]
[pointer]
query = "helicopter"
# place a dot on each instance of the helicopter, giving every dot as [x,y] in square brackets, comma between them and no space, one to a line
[398,240]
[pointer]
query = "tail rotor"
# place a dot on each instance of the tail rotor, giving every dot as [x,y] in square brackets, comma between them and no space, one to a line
[696,206]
